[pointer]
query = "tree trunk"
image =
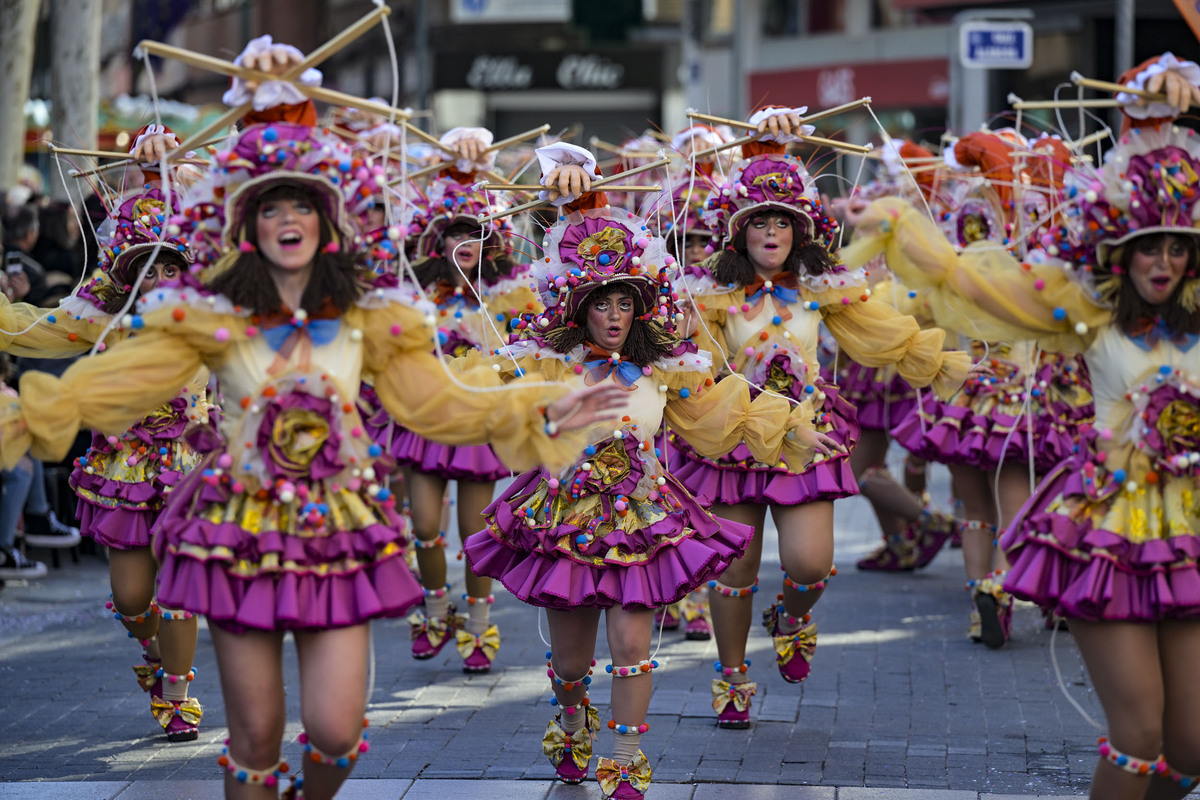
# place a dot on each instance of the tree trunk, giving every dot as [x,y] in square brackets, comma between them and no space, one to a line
[74,77]
[18,20]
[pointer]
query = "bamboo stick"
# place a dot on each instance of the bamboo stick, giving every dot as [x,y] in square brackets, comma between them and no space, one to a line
[535,187]
[1030,105]
[600,184]
[1109,86]
[520,137]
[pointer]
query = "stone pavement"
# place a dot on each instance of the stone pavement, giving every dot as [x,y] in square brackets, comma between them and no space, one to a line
[900,705]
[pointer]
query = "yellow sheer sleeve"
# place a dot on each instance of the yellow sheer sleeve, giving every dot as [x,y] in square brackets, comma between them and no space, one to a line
[36,332]
[472,407]
[715,419]
[984,292]
[875,335]
[112,390]
[712,310]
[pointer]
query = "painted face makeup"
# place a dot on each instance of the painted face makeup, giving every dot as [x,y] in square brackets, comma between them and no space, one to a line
[288,232]
[1158,265]
[769,242]
[609,318]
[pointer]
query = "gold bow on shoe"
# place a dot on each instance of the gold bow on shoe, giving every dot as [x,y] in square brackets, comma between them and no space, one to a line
[163,710]
[488,641]
[556,740]
[610,774]
[147,675]
[435,630]
[803,643]
[739,694]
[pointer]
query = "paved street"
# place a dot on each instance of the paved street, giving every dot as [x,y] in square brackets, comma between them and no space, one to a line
[900,704]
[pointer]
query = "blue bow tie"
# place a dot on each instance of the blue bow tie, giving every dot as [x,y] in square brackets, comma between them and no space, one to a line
[1158,331]
[781,293]
[320,331]
[627,372]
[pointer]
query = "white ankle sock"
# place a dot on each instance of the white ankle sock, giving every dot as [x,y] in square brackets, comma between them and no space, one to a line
[625,747]
[176,692]
[574,722]
[478,615]
[437,607]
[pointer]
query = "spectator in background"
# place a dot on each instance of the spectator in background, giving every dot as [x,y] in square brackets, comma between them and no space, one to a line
[21,230]
[59,247]
[16,482]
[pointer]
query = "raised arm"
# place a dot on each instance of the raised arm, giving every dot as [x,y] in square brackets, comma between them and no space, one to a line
[983,292]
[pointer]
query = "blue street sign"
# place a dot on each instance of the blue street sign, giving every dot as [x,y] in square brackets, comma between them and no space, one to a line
[995,45]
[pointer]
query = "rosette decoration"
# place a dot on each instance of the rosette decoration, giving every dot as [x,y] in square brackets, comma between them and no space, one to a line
[1166,422]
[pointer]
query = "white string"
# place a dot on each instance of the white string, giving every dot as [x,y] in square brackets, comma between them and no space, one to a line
[1062,685]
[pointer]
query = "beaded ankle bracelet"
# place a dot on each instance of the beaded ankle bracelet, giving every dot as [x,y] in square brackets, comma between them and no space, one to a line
[268,777]
[490,599]
[730,591]
[728,671]
[134,619]
[312,753]
[808,587]
[613,725]
[642,667]
[187,676]
[437,592]
[1126,762]
[567,686]
[438,541]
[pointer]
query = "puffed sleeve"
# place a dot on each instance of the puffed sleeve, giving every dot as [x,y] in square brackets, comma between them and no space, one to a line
[874,334]
[715,418]
[983,292]
[473,407]
[114,389]
[27,330]
[712,310]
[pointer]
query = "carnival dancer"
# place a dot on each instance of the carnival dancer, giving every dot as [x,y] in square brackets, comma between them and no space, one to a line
[1026,412]
[1108,539]
[122,481]
[677,219]
[479,289]
[285,527]
[913,531]
[773,282]
[615,532]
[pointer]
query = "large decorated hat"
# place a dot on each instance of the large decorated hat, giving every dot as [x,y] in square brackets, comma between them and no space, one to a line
[140,224]
[451,203]
[600,247]
[262,157]
[766,183]
[1150,183]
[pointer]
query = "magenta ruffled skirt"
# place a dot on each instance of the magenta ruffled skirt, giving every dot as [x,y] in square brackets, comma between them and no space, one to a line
[595,542]
[220,557]
[379,425]
[737,478]
[477,463]
[121,491]
[985,425]
[879,395]
[1062,560]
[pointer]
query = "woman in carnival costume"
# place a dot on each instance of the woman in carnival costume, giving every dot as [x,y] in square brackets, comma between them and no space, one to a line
[123,480]
[913,533]
[772,284]
[478,289]
[615,532]
[680,225]
[1108,539]
[1026,412]
[284,527]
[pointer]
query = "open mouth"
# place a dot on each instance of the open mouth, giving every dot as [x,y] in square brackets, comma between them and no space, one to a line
[1161,282]
[614,331]
[290,239]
